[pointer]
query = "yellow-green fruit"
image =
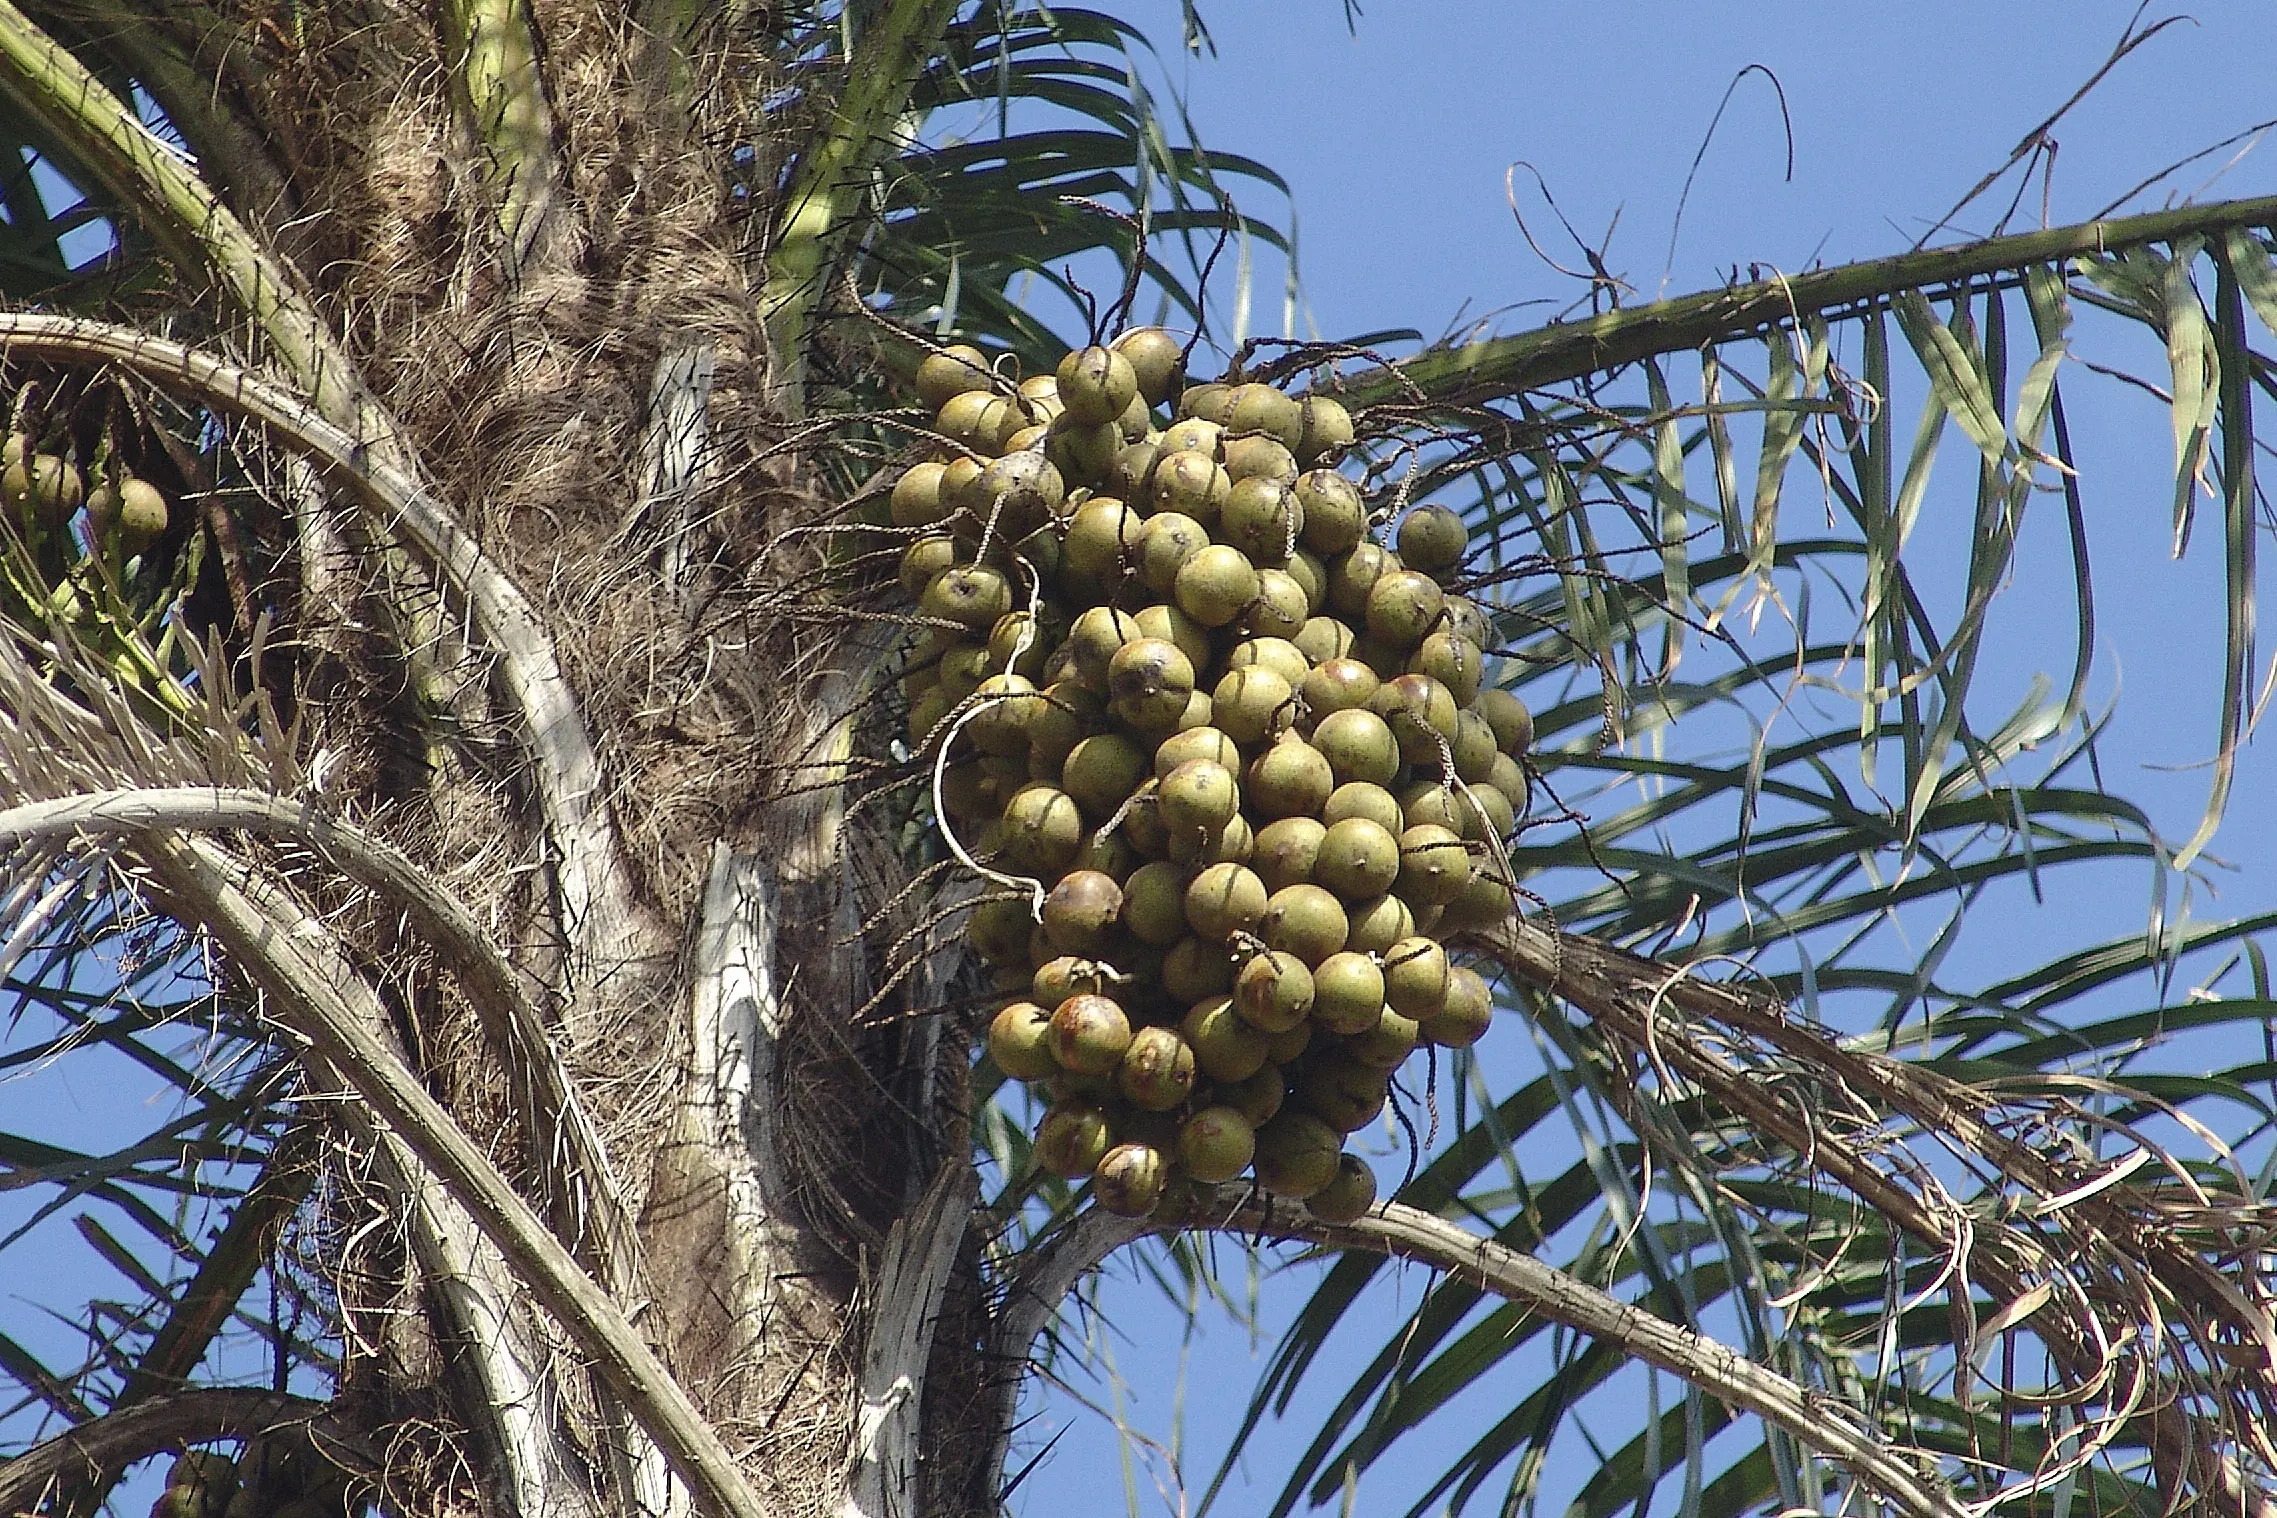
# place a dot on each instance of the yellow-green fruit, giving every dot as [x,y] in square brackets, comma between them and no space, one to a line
[1337,684]
[180,1502]
[1148,681]
[1296,1154]
[1421,714]
[998,932]
[926,713]
[1474,748]
[1039,395]
[1223,900]
[1273,992]
[1058,979]
[1435,803]
[1085,453]
[1311,576]
[1195,743]
[43,485]
[1452,660]
[1258,1097]
[1416,976]
[1336,518]
[1089,1034]
[1211,401]
[1286,1049]
[1216,1144]
[1305,920]
[961,669]
[977,419]
[1386,1045]
[1067,715]
[925,559]
[1093,638]
[1196,969]
[1261,408]
[1081,911]
[1157,360]
[1498,817]
[1137,421]
[1341,1091]
[1199,797]
[1042,830]
[1433,540]
[1281,607]
[1347,993]
[1019,1040]
[1467,617]
[1102,537]
[1484,902]
[1132,476]
[1166,541]
[960,489]
[1376,923]
[1509,777]
[1072,1138]
[1258,458]
[1003,707]
[1215,585]
[1130,1179]
[1327,428]
[1101,771]
[1154,903]
[1352,577]
[1274,653]
[1323,638]
[916,498]
[1347,1198]
[1359,745]
[1162,620]
[1096,384]
[1157,1072]
[1142,824]
[1290,779]
[972,595]
[1433,865]
[1466,1014]
[952,371]
[1362,799]
[1286,850]
[1193,435]
[1251,704]
[1226,1048]
[1190,483]
[1403,606]
[1513,725]
[1016,644]
[1358,859]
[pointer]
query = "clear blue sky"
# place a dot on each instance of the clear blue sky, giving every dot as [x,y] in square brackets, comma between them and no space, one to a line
[1395,139]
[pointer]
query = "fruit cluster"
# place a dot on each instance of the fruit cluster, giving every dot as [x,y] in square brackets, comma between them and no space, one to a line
[44,491]
[1228,758]
[281,1477]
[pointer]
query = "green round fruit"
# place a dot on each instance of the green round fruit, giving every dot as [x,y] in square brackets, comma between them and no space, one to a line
[1347,1198]
[1110,854]
[1093,639]
[1285,1049]
[1089,1034]
[1290,779]
[1081,911]
[1433,540]
[1157,1070]
[1279,655]
[1226,1048]
[1434,867]
[1016,644]
[1421,714]
[1072,1138]
[1019,1040]
[998,932]
[1167,622]
[1358,859]
[1102,537]
[1210,401]
[1148,681]
[1003,705]
[1286,850]
[1342,1092]
[1474,748]
[1359,744]
[1509,777]
[1452,660]
[1281,607]
[1066,714]
[1190,483]
[1376,923]
[1215,585]
[1216,1144]
[1056,980]
[1259,1097]
[916,500]
[1386,1045]
[1499,818]
[1154,903]
[1323,638]
[1085,453]
[1132,476]
[972,595]
[1352,578]
[1362,799]
[1336,518]
[1273,992]
[1197,969]
[1305,920]
[1327,429]
[1434,803]
[1485,901]
[1101,771]
[1195,743]
[1194,434]
[1252,704]
[1296,1154]
[1223,900]
[1130,1179]
[1416,976]
[1403,606]
[1466,1014]
[1338,684]
[1043,828]
[1198,797]
[1513,725]
[1261,408]
[926,559]
[952,371]
[1024,487]
[1348,992]
[977,419]
[1096,384]
[1157,360]
[1258,458]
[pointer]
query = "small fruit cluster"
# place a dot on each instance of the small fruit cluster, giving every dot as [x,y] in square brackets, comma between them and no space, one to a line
[282,1477]
[1230,758]
[44,491]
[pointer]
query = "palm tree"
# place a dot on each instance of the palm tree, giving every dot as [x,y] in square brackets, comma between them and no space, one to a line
[475,792]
